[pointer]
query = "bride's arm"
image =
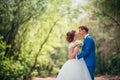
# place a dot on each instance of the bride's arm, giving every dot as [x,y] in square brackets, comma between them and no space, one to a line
[72,52]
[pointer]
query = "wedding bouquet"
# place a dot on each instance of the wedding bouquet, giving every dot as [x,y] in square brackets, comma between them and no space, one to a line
[78,43]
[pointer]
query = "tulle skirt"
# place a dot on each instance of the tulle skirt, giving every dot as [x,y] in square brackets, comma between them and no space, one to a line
[74,70]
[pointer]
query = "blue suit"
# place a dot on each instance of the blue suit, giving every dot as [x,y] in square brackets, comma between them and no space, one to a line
[88,53]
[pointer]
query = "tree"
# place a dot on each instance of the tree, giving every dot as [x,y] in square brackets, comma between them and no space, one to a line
[15,13]
[108,13]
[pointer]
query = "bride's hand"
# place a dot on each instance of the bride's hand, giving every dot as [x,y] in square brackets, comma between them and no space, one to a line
[77,49]
[71,57]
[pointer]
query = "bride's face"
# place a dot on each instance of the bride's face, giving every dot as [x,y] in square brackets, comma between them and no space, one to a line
[76,35]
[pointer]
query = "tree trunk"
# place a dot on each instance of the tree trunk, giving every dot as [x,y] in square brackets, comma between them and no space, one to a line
[10,40]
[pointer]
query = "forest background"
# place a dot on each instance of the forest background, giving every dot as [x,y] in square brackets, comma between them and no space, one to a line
[33,35]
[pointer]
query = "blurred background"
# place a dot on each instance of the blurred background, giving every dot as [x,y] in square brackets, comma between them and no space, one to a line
[33,35]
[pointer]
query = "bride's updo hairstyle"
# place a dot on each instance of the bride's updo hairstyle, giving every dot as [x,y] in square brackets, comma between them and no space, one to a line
[70,35]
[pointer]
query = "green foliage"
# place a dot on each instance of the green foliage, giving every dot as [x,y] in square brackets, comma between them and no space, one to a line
[107,12]
[9,68]
[15,13]
[115,65]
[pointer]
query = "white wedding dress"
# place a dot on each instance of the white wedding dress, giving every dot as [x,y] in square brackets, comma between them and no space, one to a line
[74,69]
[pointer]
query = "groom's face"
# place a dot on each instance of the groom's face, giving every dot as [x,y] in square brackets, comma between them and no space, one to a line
[81,32]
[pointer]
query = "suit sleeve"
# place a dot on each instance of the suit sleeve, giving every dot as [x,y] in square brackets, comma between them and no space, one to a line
[86,51]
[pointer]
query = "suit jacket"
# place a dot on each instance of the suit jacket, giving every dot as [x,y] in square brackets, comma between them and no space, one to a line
[88,51]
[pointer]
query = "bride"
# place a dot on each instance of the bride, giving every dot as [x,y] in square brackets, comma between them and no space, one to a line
[73,69]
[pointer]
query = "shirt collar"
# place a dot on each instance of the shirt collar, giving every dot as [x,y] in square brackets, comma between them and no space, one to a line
[86,36]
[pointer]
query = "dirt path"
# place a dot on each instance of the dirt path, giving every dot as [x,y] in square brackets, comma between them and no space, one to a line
[106,77]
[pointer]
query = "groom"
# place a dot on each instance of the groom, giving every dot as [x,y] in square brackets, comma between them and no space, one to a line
[88,50]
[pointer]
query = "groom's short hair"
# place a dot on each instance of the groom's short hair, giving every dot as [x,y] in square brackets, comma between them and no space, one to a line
[84,28]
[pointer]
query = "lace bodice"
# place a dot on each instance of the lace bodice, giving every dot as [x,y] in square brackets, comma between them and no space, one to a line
[71,45]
